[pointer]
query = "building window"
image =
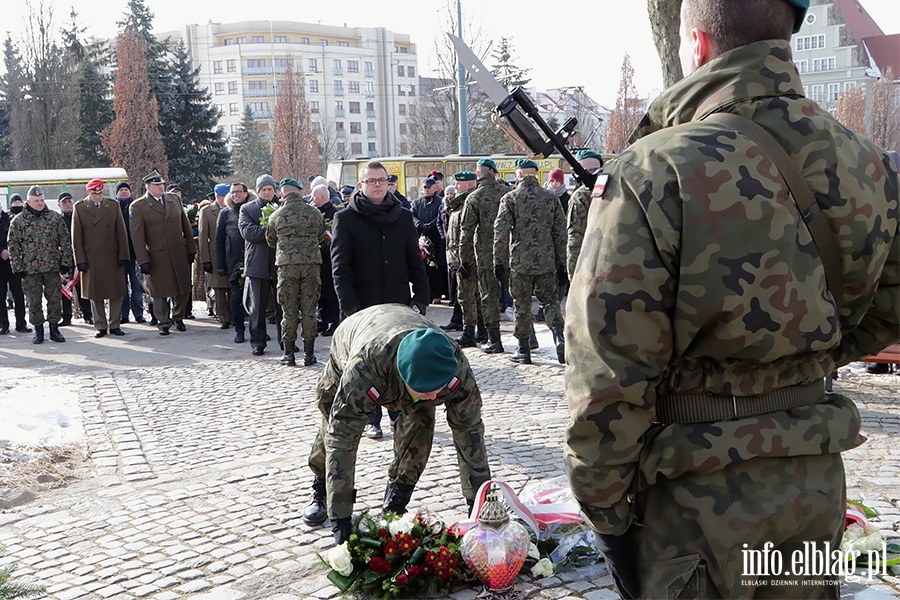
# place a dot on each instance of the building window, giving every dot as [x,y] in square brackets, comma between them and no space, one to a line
[341,149]
[343,44]
[353,87]
[412,90]
[284,63]
[802,66]
[369,68]
[234,108]
[304,40]
[220,88]
[370,106]
[404,148]
[849,85]
[410,71]
[217,66]
[400,71]
[260,109]
[242,40]
[221,109]
[401,90]
[370,88]
[235,129]
[281,39]
[355,127]
[313,65]
[256,85]
[257,39]
[323,42]
[353,66]
[817,91]
[403,50]
[824,64]
[834,90]
[810,42]
[314,107]
[256,63]
[371,147]
[356,148]
[336,65]
[402,128]
[401,108]
[339,126]
[229,41]
[231,65]
[354,108]
[338,86]
[316,127]
[313,85]
[232,87]
[370,126]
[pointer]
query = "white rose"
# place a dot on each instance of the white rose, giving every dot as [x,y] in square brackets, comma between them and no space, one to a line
[873,541]
[402,525]
[543,568]
[854,532]
[339,559]
[533,552]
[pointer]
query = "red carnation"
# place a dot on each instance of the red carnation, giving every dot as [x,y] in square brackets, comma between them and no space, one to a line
[390,548]
[402,580]
[414,571]
[379,565]
[383,533]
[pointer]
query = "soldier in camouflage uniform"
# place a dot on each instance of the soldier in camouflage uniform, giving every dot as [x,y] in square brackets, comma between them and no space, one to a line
[466,285]
[579,203]
[700,323]
[40,250]
[533,218]
[476,245]
[388,354]
[295,231]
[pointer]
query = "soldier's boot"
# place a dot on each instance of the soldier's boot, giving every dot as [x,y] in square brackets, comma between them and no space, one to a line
[316,512]
[481,333]
[496,346]
[55,335]
[524,355]
[288,359]
[309,346]
[467,339]
[560,341]
[532,341]
[38,334]
[396,497]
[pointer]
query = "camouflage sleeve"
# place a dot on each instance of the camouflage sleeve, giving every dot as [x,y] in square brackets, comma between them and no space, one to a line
[467,233]
[575,224]
[464,419]
[64,243]
[271,235]
[502,227]
[618,342]
[13,242]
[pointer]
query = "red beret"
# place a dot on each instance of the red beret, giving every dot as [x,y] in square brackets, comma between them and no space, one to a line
[94,184]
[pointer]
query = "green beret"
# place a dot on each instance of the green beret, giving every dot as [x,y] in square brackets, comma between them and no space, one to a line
[525,163]
[290,181]
[800,7]
[486,162]
[583,154]
[426,360]
[465,176]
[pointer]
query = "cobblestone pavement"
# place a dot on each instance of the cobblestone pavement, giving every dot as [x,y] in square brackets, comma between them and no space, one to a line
[196,473]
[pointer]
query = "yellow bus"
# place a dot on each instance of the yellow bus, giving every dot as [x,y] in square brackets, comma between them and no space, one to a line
[412,170]
[54,181]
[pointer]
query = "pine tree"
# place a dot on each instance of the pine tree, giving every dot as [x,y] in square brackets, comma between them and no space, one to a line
[296,146]
[194,142]
[10,590]
[8,81]
[627,113]
[507,73]
[133,140]
[251,154]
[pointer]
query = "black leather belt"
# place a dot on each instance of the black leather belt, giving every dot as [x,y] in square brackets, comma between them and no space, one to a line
[705,408]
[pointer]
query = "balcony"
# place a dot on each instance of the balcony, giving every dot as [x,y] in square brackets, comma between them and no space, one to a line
[371,134]
[370,93]
[338,71]
[339,112]
[341,133]
[370,73]
[264,93]
[338,91]
[256,71]
[261,114]
[370,114]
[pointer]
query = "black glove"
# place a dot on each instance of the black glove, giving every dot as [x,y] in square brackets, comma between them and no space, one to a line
[419,307]
[622,566]
[65,270]
[123,262]
[222,272]
[341,529]
[464,271]
[82,267]
[499,271]
[191,258]
[145,268]
[20,273]
[207,266]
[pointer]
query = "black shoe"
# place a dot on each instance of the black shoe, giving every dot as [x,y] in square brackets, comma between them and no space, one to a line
[179,325]
[560,341]
[329,331]
[451,326]
[496,346]
[4,329]
[100,333]
[38,334]
[878,369]
[163,331]
[481,334]
[55,335]
[523,357]
[66,321]
[309,347]
[396,497]
[89,320]
[258,351]
[288,359]
[140,320]
[539,315]
[224,325]
[373,431]
[123,320]
[117,331]
[239,337]
[316,513]
[533,341]
[467,339]
[23,329]
[190,316]
[153,321]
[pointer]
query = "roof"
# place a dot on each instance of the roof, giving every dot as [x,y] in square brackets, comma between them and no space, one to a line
[884,53]
[859,23]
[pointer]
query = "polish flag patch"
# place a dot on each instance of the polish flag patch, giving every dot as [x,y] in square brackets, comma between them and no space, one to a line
[454,383]
[600,185]
[373,394]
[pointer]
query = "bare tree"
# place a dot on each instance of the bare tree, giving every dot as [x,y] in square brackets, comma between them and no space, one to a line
[665,23]
[628,111]
[851,110]
[328,141]
[885,128]
[296,148]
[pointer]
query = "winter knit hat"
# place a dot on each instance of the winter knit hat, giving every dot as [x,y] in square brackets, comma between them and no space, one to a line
[426,360]
[122,184]
[264,180]
[557,175]
[319,180]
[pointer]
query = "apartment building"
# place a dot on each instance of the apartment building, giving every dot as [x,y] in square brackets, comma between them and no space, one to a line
[357,80]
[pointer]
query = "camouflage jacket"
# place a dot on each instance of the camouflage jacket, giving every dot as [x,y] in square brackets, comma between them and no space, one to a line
[476,243]
[295,230]
[362,372]
[576,221]
[454,228]
[697,274]
[533,218]
[39,243]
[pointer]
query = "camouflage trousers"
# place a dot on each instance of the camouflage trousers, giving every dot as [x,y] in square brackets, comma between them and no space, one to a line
[489,288]
[298,294]
[47,284]
[546,288]
[467,296]
[703,535]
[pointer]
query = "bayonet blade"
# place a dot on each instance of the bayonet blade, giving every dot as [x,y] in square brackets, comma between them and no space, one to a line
[485,79]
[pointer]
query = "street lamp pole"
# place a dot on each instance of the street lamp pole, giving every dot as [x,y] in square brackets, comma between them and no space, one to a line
[463,108]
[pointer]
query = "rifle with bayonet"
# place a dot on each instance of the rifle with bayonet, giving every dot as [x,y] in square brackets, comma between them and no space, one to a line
[517,115]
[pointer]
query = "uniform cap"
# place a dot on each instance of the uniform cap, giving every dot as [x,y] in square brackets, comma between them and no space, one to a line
[173,187]
[426,360]
[63,195]
[222,189]
[346,190]
[525,163]
[94,184]
[392,179]
[290,181]
[557,175]
[487,162]
[465,176]
[35,191]
[153,177]
[800,7]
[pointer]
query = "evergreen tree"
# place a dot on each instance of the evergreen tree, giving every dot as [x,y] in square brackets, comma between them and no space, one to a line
[8,82]
[296,146]
[194,142]
[504,69]
[251,153]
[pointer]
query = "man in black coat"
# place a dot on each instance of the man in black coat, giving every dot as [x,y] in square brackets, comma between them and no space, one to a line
[230,253]
[329,309]
[375,255]
[10,281]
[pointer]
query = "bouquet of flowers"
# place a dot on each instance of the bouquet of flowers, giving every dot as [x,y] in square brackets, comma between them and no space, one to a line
[426,247]
[412,556]
[267,211]
[864,542]
[329,225]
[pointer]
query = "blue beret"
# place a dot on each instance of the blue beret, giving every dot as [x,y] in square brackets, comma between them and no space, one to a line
[222,189]
[426,360]
[525,163]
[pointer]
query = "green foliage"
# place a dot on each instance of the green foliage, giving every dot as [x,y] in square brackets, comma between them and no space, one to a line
[504,69]
[10,590]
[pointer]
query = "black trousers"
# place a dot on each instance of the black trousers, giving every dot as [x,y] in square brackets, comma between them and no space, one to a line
[12,283]
[238,314]
[329,309]
[261,290]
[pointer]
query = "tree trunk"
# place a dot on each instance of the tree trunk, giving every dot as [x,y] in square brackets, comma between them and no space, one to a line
[665,22]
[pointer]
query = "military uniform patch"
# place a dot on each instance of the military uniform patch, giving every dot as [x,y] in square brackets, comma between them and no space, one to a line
[373,394]
[454,383]
[600,185]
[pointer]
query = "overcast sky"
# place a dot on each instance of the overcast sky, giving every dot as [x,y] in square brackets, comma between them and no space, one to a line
[564,43]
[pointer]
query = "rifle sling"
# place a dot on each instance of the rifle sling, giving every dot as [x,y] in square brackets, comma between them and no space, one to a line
[825,240]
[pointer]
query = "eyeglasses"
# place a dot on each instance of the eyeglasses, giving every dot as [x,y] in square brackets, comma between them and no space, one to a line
[373,181]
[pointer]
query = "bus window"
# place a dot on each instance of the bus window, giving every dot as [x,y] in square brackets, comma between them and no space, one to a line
[415,174]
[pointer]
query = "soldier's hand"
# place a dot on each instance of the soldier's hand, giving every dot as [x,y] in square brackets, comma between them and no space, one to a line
[145,268]
[82,267]
[65,270]
[464,271]
[341,529]
[619,558]
[222,272]
[207,266]
[499,271]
